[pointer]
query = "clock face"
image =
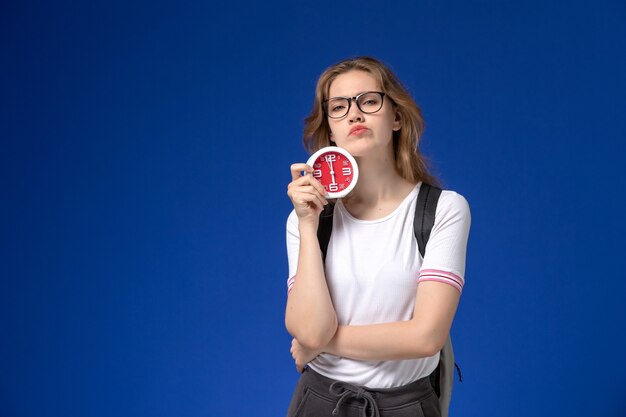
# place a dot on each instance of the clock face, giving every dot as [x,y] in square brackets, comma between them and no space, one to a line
[335,169]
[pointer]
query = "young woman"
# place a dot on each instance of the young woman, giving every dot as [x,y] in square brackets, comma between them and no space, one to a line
[369,322]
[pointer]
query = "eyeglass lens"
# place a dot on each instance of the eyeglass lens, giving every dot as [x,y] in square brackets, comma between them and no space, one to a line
[366,102]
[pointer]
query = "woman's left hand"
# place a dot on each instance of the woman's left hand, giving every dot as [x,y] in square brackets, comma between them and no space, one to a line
[302,355]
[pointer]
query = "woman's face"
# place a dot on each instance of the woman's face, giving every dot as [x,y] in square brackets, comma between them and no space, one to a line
[358,132]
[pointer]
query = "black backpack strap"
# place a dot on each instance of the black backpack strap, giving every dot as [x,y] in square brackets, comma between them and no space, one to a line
[441,378]
[425,209]
[423,222]
[325,228]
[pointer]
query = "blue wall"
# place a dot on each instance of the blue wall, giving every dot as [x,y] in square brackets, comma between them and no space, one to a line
[143,168]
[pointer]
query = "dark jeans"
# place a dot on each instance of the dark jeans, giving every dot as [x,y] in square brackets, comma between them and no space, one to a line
[319,396]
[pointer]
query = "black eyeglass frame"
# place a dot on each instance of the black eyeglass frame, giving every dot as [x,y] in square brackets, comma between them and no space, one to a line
[356,100]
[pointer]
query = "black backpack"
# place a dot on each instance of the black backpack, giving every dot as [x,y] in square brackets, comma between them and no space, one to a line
[425,208]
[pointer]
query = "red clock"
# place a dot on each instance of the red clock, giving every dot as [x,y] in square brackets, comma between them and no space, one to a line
[336,169]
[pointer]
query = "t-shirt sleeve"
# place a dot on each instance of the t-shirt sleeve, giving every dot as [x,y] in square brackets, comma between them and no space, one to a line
[444,260]
[293,247]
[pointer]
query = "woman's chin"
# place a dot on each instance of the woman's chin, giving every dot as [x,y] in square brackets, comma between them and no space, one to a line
[360,149]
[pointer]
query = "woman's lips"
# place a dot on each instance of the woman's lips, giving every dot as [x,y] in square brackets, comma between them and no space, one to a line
[358,130]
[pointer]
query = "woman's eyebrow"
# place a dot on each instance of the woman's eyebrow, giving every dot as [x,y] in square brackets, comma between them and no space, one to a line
[360,92]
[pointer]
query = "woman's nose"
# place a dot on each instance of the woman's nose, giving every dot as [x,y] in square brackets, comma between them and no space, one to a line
[355,114]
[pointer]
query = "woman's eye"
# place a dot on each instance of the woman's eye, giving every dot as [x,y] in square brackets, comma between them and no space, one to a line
[338,107]
[370,102]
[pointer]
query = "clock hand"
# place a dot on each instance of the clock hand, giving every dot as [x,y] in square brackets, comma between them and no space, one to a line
[332,172]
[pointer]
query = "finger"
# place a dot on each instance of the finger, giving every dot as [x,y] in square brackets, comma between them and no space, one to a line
[296,170]
[318,186]
[303,180]
[309,189]
[303,193]
[305,200]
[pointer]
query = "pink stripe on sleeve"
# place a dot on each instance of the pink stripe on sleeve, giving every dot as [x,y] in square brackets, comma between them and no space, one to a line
[445,281]
[442,273]
[442,276]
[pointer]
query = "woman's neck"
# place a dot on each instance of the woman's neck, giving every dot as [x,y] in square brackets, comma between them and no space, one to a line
[379,190]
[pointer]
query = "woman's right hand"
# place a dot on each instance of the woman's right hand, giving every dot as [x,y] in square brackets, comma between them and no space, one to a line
[306,194]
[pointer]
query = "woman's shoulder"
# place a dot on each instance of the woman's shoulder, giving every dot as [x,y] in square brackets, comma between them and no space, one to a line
[453,198]
[453,204]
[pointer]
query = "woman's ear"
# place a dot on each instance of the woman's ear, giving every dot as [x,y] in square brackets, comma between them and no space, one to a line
[330,137]
[397,122]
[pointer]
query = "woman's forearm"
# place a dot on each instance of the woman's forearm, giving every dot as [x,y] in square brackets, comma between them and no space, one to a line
[310,315]
[421,336]
[387,341]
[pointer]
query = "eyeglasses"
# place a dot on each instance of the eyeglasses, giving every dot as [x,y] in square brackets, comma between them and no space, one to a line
[368,102]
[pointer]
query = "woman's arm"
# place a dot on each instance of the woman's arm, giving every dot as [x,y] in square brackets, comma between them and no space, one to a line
[422,336]
[310,316]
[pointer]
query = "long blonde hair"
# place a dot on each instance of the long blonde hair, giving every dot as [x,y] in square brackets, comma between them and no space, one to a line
[410,163]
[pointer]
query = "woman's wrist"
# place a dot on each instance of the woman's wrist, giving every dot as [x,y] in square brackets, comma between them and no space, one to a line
[307,228]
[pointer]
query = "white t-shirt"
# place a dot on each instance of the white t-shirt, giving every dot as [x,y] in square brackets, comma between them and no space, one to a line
[372,271]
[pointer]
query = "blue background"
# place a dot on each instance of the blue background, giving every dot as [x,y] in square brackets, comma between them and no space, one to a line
[143,168]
